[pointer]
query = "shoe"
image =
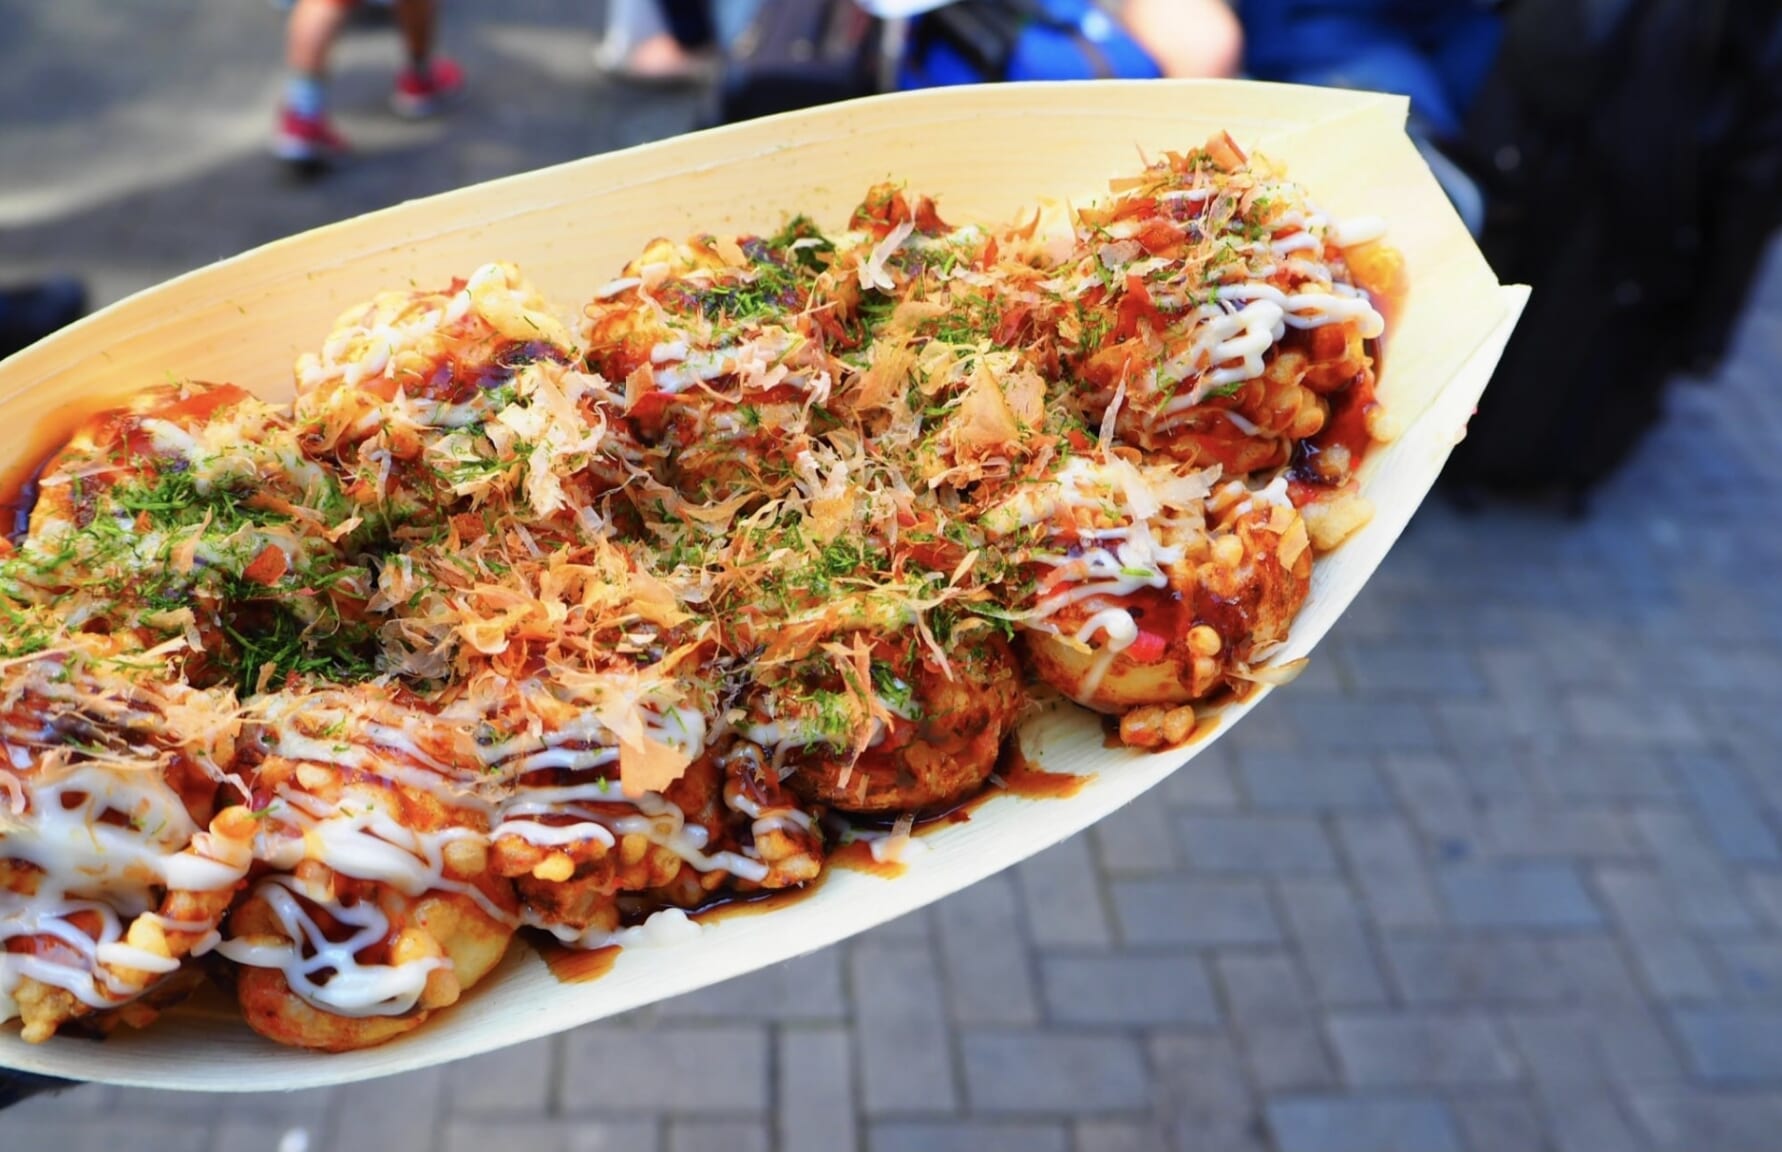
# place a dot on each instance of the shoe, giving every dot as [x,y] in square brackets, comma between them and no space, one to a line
[419,95]
[29,312]
[306,139]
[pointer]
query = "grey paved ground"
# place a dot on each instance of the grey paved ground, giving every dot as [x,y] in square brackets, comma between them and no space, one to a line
[1500,873]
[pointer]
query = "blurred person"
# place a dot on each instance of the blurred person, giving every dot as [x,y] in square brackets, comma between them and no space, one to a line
[1188,38]
[973,41]
[29,312]
[670,41]
[304,134]
[1437,52]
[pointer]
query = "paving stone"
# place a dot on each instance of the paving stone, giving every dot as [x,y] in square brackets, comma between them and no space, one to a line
[581,1135]
[1645,718]
[1342,724]
[967,1136]
[1590,1119]
[1050,1072]
[1516,895]
[1594,970]
[906,1054]
[1362,1123]
[512,1080]
[1729,810]
[1412,670]
[804,988]
[1674,966]
[1429,969]
[248,1133]
[1138,839]
[1257,845]
[1330,931]
[1202,1094]
[1128,988]
[1500,1123]
[1119,1136]
[717,1136]
[1563,1048]
[1288,781]
[78,1102]
[1207,780]
[1263,987]
[815,1103]
[1763,891]
[1705,891]
[1732,1046]
[1595,773]
[1535,830]
[1389,870]
[666,1069]
[1681,1119]
[1753,967]
[1421,1050]
[985,954]
[1288,1057]
[1440,803]
[1194,912]
[106,1135]
[394,1114]
[1062,897]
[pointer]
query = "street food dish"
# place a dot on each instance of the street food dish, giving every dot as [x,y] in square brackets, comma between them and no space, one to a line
[578,624]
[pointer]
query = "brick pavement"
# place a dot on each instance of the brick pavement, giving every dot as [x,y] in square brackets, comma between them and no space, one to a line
[1502,872]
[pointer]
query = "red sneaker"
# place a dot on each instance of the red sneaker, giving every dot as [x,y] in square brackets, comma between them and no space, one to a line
[306,139]
[420,94]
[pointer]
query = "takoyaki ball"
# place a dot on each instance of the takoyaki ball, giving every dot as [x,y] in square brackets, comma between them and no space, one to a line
[109,878]
[1227,361]
[329,962]
[405,368]
[1230,596]
[920,734]
[380,906]
[721,376]
[157,517]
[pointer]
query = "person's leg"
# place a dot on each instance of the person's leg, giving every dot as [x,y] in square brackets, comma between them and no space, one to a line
[419,22]
[310,34]
[304,135]
[430,78]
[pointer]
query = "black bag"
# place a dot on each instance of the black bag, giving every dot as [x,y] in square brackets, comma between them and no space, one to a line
[1606,140]
[798,54]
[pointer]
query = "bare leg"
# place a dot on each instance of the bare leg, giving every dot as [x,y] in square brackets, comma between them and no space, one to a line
[419,22]
[311,32]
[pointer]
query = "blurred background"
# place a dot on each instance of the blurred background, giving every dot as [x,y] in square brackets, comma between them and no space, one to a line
[1500,872]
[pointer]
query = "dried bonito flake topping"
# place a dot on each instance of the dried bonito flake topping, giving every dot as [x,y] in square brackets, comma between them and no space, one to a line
[571,622]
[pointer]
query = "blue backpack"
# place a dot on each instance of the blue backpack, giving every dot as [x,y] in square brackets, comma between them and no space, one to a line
[975,41]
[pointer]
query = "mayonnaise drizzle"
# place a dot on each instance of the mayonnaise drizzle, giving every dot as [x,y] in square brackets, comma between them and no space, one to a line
[327,973]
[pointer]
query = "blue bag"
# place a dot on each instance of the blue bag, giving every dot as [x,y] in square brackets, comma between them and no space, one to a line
[976,41]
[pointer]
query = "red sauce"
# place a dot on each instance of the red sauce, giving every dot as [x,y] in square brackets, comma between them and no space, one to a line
[1019,776]
[18,480]
[730,907]
[576,965]
[856,856]
[1022,777]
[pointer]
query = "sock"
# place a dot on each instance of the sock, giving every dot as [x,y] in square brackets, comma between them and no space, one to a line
[306,96]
